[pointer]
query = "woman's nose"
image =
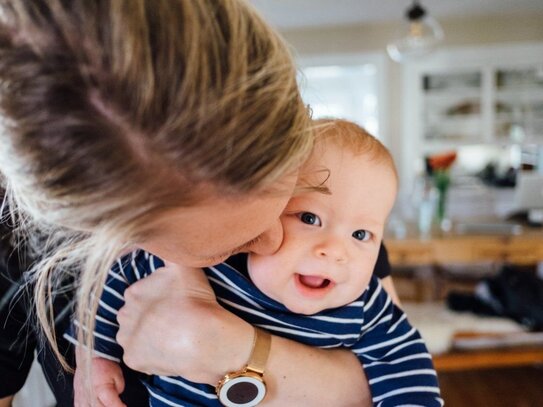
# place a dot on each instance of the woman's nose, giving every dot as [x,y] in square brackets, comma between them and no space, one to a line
[332,250]
[269,241]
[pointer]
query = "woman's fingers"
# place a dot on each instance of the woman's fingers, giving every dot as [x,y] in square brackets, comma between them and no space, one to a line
[108,395]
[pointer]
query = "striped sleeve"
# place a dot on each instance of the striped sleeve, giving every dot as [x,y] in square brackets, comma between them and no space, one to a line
[125,272]
[395,359]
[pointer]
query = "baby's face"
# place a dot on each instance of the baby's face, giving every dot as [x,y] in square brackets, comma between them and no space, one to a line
[331,242]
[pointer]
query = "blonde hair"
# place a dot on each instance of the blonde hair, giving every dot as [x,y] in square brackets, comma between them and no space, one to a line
[113,111]
[356,139]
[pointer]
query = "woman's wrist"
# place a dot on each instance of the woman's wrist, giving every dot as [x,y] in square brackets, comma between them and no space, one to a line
[231,345]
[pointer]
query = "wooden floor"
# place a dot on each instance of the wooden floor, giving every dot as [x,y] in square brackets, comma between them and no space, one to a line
[511,387]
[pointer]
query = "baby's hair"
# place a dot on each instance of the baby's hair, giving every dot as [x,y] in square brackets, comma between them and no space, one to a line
[356,139]
[115,111]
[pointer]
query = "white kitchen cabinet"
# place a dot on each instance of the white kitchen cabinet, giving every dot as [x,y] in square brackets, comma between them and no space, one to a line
[491,95]
[518,108]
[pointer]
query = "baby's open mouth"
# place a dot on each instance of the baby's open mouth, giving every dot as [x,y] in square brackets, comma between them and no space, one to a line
[313,286]
[314,282]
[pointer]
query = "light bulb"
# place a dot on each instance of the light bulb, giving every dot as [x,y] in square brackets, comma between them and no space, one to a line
[419,35]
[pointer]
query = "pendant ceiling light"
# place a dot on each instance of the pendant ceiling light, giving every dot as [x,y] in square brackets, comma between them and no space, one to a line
[418,36]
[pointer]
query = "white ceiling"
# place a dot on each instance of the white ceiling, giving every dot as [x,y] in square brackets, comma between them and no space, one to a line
[292,14]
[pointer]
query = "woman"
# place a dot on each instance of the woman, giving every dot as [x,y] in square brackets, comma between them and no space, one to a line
[18,341]
[159,124]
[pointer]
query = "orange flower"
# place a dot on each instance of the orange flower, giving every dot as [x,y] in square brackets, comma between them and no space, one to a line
[442,161]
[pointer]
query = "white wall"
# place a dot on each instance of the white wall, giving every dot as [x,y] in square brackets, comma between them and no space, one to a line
[35,392]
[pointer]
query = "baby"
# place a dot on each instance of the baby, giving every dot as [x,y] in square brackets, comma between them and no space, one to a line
[318,288]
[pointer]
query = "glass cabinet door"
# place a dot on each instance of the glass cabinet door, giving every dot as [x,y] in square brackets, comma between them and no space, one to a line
[452,107]
[518,110]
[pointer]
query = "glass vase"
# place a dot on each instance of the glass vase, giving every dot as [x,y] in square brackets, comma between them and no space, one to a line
[442,182]
[425,197]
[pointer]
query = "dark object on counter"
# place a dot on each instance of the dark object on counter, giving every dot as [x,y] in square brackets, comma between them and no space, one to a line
[490,176]
[521,217]
[513,293]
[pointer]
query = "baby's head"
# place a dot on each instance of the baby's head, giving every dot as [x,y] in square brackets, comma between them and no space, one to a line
[332,233]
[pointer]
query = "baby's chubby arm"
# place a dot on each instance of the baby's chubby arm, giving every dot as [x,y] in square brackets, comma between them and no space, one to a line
[106,378]
[394,356]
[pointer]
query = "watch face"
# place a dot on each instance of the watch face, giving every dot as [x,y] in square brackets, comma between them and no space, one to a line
[242,391]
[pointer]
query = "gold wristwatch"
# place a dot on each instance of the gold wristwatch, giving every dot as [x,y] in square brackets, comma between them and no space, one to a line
[246,387]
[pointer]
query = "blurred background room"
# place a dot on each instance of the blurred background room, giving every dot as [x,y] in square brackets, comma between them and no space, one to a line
[454,88]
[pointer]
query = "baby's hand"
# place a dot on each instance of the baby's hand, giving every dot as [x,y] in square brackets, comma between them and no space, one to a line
[107,384]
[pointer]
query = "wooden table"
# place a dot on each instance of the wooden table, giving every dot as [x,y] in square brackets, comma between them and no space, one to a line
[440,248]
[488,359]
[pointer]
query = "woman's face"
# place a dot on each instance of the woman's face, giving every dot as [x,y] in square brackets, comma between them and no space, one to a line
[210,232]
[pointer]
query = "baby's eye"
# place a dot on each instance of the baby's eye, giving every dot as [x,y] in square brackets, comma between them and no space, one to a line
[309,218]
[362,235]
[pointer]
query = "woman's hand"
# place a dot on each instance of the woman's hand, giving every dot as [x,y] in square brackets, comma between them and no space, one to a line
[171,324]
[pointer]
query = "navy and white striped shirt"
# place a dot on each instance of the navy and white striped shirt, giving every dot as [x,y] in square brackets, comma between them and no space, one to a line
[395,359]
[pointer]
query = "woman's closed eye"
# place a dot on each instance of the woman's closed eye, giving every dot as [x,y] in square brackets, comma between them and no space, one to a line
[362,235]
[244,247]
[309,218]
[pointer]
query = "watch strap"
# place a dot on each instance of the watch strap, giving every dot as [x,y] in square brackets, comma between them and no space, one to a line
[260,352]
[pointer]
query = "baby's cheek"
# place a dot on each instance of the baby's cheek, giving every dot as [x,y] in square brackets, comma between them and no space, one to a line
[263,273]
[360,284]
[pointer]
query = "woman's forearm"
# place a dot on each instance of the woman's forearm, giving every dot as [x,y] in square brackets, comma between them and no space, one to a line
[175,304]
[300,375]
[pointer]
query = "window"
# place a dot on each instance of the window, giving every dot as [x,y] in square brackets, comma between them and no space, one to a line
[347,91]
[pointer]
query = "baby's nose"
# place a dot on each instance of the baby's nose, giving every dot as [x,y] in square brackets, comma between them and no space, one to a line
[332,250]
